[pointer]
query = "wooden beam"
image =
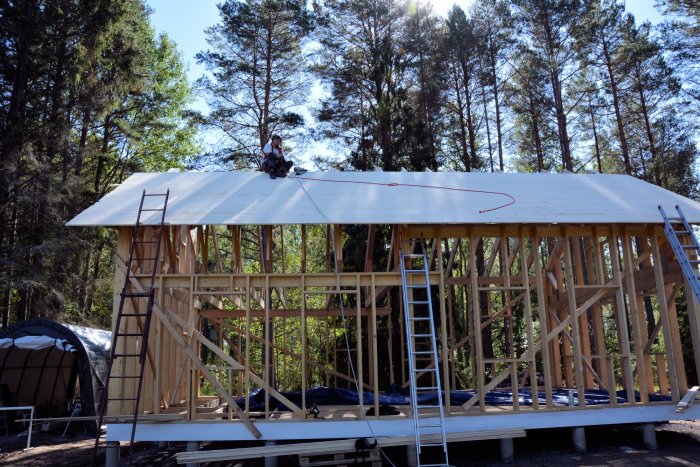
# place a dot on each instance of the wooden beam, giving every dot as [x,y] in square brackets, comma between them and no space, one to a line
[343,445]
[290,313]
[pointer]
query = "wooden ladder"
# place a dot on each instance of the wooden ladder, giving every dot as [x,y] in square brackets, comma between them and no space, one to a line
[132,326]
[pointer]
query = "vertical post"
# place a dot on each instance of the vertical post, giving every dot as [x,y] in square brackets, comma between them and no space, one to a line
[594,259]
[193,386]
[479,370]
[649,436]
[532,362]
[158,328]
[664,316]
[375,367]
[542,313]
[584,336]
[635,322]
[445,348]
[270,461]
[624,343]
[303,346]
[507,450]
[192,446]
[247,344]
[303,249]
[579,438]
[112,454]
[575,334]
[358,345]
[267,348]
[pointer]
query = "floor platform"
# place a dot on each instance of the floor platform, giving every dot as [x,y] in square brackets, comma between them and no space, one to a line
[401,425]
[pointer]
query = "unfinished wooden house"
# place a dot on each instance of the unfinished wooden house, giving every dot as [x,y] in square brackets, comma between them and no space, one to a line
[339,305]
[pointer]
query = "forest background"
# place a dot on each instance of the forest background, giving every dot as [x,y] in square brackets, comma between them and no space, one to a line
[91,94]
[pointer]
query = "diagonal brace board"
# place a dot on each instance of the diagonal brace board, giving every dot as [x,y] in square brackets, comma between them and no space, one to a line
[194,358]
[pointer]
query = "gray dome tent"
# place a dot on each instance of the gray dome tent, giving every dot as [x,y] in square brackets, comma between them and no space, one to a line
[48,374]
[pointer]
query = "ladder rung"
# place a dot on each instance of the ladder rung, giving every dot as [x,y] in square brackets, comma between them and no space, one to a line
[414,271]
[431,445]
[413,255]
[137,294]
[426,407]
[419,319]
[418,302]
[152,209]
[155,194]
[427,388]
[423,370]
[423,352]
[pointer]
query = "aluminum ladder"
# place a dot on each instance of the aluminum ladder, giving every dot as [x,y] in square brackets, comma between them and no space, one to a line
[431,440]
[685,246]
[133,325]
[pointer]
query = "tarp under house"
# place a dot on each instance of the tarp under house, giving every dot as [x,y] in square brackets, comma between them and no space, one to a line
[48,365]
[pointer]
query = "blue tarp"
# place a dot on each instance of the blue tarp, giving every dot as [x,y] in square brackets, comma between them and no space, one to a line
[399,396]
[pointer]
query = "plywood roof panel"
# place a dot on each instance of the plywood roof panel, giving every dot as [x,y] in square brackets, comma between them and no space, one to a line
[252,198]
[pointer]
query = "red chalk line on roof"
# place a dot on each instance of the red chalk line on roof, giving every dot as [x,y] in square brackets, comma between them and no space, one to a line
[412,185]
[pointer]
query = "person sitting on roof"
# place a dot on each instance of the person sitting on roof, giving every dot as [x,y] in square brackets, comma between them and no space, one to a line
[273,159]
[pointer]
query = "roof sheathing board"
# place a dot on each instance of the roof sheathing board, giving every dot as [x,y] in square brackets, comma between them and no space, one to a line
[251,198]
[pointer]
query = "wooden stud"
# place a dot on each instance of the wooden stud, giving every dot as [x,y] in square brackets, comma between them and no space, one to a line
[477,326]
[571,293]
[635,322]
[621,320]
[665,320]
[444,338]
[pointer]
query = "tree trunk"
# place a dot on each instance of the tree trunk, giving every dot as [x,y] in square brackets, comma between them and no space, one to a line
[647,126]
[624,147]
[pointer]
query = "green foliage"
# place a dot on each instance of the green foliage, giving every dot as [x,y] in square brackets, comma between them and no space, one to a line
[87,96]
[257,65]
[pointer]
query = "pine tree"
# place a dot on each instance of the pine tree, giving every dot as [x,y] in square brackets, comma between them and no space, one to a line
[258,80]
[364,66]
[546,27]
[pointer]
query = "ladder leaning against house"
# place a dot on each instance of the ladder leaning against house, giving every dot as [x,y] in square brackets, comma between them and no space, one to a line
[685,246]
[429,423]
[132,325]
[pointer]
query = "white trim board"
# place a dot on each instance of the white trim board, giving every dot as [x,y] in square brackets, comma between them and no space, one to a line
[251,198]
[277,430]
